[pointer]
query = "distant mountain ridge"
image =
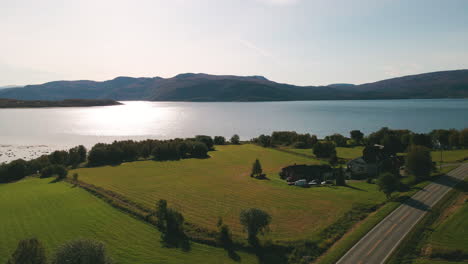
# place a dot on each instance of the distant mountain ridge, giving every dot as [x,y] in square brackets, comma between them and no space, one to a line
[206,87]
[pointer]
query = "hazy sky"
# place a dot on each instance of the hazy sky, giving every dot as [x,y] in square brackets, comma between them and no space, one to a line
[305,42]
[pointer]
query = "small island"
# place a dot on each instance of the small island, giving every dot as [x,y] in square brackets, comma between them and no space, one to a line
[13,103]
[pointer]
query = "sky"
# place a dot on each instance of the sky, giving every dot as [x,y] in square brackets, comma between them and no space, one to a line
[302,42]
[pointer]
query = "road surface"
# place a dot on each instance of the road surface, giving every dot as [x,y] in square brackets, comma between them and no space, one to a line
[377,245]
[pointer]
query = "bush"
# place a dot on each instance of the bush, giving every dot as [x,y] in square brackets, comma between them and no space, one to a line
[81,251]
[29,251]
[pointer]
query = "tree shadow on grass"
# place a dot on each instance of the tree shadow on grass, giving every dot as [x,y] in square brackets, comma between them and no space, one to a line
[271,255]
[354,188]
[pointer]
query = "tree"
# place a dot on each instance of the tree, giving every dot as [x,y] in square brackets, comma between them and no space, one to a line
[199,150]
[256,169]
[205,139]
[219,140]
[464,138]
[419,162]
[333,160]
[173,234]
[82,153]
[235,139]
[59,157]
[454,138]
[338,139]
[161,212]
[29,251]
[254,221]
[224,235]
[263,140]
[357,136]
[81,251]
[59,170]
[324,149]
[340,178]
[422,140]
[388,183]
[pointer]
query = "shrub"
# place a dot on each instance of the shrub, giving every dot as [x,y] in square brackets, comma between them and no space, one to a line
[81,251]
[29,251]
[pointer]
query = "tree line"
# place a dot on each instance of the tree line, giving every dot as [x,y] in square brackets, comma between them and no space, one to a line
[58,162]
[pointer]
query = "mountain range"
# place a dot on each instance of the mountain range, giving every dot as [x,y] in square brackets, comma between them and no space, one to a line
[205,87]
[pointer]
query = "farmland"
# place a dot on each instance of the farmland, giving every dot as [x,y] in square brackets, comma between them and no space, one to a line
[55,213]
[220,186]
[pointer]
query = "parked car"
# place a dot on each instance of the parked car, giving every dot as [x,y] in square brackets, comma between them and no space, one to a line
[302,183]
[313,183]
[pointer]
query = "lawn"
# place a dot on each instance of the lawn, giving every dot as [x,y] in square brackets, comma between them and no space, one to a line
[220,186]
[341,152]
[452,233]
[450,156]
[55,213]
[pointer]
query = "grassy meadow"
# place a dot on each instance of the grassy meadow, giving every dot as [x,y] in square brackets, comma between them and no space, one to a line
[220,186]
[57,212]
[342,152]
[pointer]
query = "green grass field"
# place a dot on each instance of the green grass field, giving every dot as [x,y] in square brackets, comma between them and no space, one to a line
[341,152]
[205,189]
[55,213]
[452,233]
[450,156]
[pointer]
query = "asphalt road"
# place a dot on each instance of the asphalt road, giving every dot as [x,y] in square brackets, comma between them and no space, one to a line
[377,245]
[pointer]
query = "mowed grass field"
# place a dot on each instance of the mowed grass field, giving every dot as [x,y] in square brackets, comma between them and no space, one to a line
[452,233]
[450,156]
[341,152]
[220,186]
[55,213]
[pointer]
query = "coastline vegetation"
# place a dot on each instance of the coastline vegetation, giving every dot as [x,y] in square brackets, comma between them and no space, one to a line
[202,184]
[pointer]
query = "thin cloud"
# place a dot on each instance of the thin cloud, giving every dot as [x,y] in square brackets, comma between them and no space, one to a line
[279,2]
[255,48]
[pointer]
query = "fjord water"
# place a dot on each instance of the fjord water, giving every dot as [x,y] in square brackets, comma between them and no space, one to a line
[162,120]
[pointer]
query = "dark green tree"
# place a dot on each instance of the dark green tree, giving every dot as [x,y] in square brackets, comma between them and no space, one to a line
[219,140]
[340,178]
[388,183]
[255,221]
[224,237]
[29,251]
[59,157]
[324,149]
[82,251]
[199,150]
[235,139]
[419,162]
[256,169]
[161,213]
[464,138]
[357,136]
[338,139]
[207,140]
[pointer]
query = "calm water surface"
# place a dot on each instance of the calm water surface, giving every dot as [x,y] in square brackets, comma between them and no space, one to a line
[139,120]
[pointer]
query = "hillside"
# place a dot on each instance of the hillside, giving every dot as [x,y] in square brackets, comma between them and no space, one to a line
[204,87]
